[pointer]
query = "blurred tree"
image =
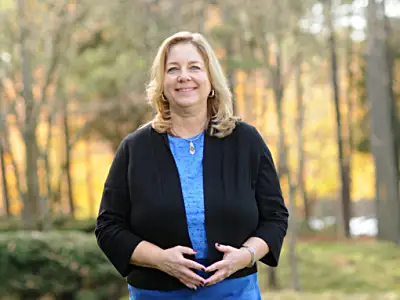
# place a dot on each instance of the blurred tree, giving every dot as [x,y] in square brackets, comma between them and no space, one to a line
[348,149]
[299,184]
[4,181]
[90,178]
[264,33]
[343,158]
[395,113]
[362,138]
[31,201]
[30,92]
[379,95]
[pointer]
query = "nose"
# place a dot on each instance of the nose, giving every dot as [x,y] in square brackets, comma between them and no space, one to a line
[183,77]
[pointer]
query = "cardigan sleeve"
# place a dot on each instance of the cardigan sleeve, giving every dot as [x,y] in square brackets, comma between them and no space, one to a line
[113,233]
[273,214]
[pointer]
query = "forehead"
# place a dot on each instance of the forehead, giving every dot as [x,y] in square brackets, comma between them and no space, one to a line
[183,52]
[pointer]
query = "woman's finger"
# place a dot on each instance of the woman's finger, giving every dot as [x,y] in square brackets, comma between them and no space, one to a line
[217,277]
[192,277]
[216,266]
[186,282]
[191,286]
[186,250]
[224,248]
[193,265]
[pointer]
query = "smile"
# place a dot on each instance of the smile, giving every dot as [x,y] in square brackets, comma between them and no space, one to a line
[185,90]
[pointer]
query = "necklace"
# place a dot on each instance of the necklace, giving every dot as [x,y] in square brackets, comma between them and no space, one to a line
[192,149]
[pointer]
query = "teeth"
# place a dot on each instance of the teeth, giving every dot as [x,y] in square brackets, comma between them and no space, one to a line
[185,90]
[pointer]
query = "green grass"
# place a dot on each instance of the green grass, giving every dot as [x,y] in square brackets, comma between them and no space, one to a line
[354,270]
[287,295]
[350,267]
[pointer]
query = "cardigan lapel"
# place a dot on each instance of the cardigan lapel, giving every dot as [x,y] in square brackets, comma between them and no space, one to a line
[214,193]
[212,159]
[169,181]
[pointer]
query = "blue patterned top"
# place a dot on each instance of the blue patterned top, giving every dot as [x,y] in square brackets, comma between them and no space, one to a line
[190,169]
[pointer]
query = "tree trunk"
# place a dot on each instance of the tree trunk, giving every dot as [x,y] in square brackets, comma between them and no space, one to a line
[272,279]
[89,178]
[4,182]
[394,110]
[292,236]
[231,71]
[283,166]
[229,54]
[382,143]
[349,100]
[68,156]
[31,205]
[343,161]
[7,149]
[301,184]
[6,198]
[47,165]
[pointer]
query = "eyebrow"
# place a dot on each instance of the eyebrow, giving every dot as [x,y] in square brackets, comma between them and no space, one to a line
[190,62]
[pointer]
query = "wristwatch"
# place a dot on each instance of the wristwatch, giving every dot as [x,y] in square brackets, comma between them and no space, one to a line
[253,258]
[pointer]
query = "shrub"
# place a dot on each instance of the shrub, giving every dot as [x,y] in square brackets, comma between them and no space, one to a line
[8,224]
[66,265]
[84,225]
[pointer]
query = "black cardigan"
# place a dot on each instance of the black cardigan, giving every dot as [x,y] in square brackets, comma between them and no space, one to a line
[142,200]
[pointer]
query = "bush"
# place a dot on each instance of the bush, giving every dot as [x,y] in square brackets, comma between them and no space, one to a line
[65,265]
[68,223]
[58,223]
[10,224]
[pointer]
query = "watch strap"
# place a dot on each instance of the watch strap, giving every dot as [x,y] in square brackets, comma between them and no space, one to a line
[252,253]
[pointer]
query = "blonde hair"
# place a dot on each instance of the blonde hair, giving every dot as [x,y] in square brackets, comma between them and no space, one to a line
[221,121]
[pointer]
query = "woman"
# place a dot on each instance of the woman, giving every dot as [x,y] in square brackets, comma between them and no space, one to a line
[192,200]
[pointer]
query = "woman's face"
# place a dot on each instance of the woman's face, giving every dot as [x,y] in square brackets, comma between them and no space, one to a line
[186,82]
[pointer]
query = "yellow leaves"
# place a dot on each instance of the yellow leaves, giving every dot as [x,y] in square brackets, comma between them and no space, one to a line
[99,160]
[322,172]
[213,17]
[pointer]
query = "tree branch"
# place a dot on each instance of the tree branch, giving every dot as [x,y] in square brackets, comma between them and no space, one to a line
[56,57]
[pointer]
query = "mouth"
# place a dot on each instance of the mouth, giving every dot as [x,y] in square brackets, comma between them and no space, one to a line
[186,90]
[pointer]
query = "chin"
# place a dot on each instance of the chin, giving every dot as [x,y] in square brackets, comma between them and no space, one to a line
[187,102]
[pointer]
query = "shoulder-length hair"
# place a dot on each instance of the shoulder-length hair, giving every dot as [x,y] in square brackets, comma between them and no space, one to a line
[221,120]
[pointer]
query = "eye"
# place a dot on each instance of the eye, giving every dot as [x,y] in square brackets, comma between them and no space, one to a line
[194,67]
[172,69]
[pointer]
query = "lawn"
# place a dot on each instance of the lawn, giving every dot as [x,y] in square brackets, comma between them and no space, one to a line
[350,267]
[329,296]
[352,270]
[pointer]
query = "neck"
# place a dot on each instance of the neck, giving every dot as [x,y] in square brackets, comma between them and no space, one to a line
[188,125]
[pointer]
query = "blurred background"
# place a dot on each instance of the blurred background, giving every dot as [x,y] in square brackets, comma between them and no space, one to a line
[320,79]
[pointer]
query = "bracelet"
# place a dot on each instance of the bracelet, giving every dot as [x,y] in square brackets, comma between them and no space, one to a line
[253,258]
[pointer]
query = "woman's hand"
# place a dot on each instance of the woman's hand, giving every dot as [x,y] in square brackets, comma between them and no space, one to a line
[234,259]
[175,264]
